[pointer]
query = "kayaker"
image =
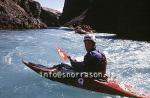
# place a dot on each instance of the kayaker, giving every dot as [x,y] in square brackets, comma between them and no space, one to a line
[94,60]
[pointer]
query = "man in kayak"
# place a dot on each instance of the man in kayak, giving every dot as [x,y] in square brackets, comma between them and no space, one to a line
[94,60]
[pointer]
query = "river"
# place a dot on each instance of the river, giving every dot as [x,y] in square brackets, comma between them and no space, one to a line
[128,62]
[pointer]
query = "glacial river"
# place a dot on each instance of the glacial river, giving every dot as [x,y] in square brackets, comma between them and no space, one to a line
[128,62]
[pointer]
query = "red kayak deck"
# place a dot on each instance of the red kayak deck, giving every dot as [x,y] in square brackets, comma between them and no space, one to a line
[109,87]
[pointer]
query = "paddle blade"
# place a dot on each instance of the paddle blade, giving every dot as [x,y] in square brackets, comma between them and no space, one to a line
[62,54]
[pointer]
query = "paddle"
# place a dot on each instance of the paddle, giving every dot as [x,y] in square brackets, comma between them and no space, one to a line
[63,55]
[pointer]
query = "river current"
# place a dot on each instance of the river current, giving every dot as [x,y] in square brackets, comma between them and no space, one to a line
[128,62]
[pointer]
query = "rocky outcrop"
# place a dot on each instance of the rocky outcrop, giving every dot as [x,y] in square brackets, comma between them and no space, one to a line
[50,17]
[129,18]
[73,9]
[24,14]
[13,16]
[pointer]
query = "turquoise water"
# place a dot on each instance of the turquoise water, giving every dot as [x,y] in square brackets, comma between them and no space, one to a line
[128,62]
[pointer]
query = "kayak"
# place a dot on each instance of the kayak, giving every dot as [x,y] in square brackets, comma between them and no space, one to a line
[109,87]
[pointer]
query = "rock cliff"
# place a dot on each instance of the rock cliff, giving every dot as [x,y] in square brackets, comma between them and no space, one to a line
[24,14]
[127,18]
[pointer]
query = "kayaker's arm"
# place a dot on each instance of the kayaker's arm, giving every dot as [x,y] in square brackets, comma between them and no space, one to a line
[72,61]
[78,66]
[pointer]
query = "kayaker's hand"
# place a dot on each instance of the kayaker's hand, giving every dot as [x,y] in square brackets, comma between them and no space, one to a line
[71,60]
[69,57]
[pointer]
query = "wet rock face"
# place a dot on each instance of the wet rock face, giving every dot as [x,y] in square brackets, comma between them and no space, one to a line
[128,18]
[24,14]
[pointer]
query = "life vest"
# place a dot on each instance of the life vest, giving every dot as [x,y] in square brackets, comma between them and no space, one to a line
[95,61]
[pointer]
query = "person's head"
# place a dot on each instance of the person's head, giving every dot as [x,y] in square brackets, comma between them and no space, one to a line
[89,42]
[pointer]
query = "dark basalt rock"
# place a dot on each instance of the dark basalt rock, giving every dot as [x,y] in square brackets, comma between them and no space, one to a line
[127,18]
[73,9]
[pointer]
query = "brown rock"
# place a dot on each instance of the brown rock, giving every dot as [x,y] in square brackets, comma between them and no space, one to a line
[24,14]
